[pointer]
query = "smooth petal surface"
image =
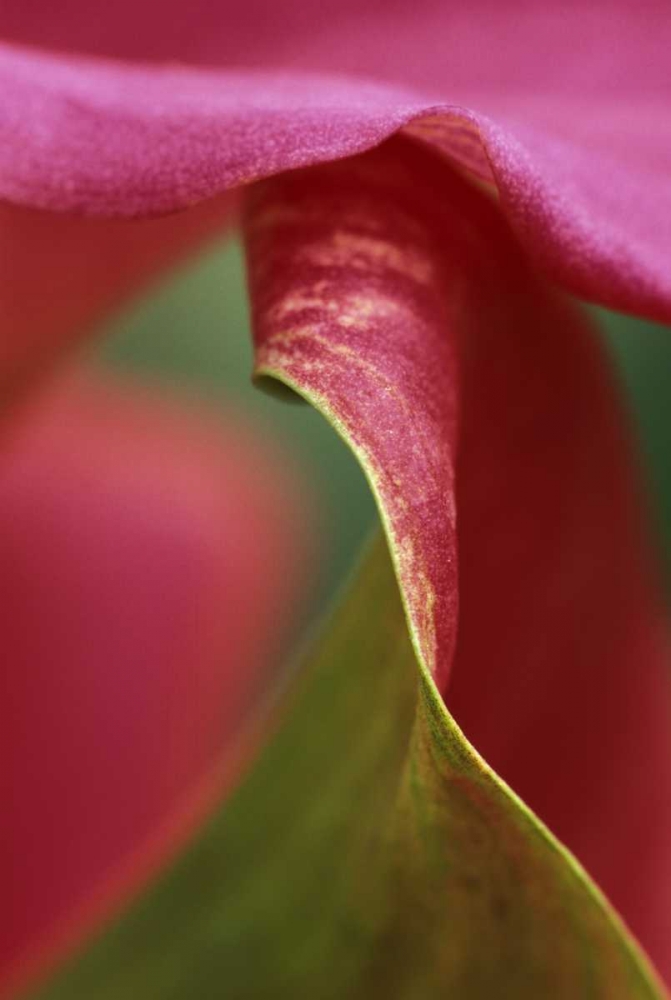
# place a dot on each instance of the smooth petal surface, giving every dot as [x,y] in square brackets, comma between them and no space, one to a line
[59,275]
[148,562]
[563,107]
[399,867]
[392,295]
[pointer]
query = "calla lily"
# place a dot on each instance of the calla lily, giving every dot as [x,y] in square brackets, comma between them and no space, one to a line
[425,187]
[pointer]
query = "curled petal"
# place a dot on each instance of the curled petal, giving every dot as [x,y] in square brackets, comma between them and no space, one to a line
[393,296]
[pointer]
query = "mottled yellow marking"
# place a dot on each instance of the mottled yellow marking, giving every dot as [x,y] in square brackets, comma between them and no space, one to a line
[283,352]
[417,592]
[347,310]
[283,341]
[420,596]
[296,303]
[286,338]
[357,310]
[282,347]
[276,358]
[361,252]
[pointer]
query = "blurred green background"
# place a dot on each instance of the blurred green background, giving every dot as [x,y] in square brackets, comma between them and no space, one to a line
[192,332]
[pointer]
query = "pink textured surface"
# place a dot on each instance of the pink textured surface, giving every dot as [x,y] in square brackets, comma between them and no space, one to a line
[481,409]
[564,106]
[148,563]
[350,293]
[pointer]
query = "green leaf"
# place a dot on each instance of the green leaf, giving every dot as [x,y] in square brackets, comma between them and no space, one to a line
[370,853]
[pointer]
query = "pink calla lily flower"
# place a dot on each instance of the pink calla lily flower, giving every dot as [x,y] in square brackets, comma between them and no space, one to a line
[425,186]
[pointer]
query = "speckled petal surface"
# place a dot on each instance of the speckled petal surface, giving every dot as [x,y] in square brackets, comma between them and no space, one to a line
[563,108]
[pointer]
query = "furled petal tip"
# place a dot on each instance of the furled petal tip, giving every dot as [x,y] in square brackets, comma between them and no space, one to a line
[393,295]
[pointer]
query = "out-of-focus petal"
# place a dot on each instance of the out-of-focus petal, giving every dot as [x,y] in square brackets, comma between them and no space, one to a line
[562,673]
[148,558]
[562,106]
[394,297]
[59,274]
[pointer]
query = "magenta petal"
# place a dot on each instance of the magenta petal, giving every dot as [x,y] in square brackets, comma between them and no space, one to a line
[564,107]
[147,565]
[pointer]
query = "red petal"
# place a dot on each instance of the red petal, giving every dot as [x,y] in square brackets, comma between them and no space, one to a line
[561,675]
[392,295]
[563,106]
[58,275]
[147,561]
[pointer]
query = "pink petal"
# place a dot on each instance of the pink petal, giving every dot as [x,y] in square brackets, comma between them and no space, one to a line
[148,564]
[59,274]
[393,295]
[563,106]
